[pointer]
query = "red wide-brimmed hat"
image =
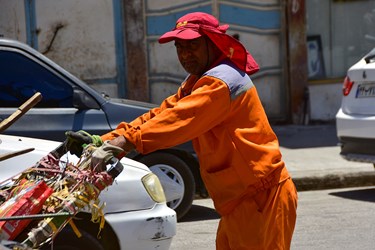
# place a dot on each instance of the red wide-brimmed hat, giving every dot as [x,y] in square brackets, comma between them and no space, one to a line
[196,24]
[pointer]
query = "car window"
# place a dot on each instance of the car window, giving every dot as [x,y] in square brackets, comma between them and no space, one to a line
[21,78]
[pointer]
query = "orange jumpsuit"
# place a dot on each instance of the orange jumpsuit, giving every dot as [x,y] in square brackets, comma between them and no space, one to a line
[240,160]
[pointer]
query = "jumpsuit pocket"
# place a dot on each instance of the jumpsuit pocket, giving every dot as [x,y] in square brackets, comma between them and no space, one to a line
[262,199]
[223,185]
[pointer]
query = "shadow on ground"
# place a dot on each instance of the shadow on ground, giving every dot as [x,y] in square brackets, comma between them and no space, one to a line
[197,213]
[361,195]
[309,136]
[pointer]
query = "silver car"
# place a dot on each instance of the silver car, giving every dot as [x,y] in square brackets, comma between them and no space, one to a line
[70,104]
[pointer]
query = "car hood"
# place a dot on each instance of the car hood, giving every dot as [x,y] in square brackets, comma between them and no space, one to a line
[126,194]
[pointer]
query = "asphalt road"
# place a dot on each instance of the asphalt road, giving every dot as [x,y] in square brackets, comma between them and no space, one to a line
[327,219]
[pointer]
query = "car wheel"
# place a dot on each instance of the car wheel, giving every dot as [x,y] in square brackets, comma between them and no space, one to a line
[175,177]
[68,240]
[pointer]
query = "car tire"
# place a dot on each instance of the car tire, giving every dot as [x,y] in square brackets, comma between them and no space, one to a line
[68,240]
[176,178]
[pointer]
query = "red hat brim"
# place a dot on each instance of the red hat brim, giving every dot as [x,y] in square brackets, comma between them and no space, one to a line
[186,34]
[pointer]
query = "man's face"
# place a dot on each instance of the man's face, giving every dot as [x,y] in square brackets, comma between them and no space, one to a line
[193,55]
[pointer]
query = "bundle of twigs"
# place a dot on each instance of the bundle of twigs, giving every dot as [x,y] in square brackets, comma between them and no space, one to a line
[36,204]
[68,188]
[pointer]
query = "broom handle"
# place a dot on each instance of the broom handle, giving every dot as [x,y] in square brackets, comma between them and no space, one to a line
[4,157]
[31,102]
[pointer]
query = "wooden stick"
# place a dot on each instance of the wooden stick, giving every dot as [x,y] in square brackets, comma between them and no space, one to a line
[21,110]
[6,156]
[35,216]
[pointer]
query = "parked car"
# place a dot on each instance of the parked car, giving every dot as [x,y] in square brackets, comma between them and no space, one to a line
[68,103]
[136,215]
[355,119]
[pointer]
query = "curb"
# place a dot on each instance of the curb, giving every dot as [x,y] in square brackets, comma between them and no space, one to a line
[332,181]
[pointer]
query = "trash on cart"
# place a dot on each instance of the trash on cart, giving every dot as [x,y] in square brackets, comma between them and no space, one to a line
[39,202]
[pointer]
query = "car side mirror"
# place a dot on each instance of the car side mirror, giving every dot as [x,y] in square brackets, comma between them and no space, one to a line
[82,100]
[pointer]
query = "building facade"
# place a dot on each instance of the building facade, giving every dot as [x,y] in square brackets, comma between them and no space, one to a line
[302,46]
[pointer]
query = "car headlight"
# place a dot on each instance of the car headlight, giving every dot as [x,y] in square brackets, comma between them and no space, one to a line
[153,187]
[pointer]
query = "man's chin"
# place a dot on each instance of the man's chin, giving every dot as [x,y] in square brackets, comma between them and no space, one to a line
[193,71]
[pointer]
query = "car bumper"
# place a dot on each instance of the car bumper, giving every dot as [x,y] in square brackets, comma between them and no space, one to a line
[356,136]
[358,126]
[145,229]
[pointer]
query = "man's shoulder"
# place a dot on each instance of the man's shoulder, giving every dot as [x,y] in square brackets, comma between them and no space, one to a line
[236,80]
[227,72]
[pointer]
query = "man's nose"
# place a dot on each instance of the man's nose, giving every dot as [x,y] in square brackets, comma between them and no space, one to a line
[185,52]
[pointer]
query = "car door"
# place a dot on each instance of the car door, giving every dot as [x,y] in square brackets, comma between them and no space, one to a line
[22,75]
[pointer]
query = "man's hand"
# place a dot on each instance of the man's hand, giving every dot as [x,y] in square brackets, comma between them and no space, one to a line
[121,142]
[102,156]
[76,141]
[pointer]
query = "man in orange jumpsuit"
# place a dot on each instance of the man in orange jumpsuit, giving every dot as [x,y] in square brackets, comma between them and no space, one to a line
[218,108]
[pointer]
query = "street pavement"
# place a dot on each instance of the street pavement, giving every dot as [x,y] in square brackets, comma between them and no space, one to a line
[312,156]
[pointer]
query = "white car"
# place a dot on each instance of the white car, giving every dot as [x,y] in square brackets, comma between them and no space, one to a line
[355,120]
[136,213]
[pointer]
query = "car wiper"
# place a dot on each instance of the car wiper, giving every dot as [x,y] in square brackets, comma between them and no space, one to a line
[370,56]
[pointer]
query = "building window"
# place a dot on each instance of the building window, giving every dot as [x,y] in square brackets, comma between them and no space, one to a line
[339,33]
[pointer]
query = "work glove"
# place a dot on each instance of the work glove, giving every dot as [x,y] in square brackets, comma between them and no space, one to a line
[77,141]
[103,155]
